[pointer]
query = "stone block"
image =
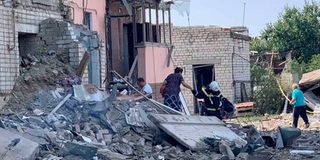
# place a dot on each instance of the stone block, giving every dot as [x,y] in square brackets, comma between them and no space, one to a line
[24,149]
[80,149]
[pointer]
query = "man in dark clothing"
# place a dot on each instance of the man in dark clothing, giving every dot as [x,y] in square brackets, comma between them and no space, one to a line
[212,99]
[171,88]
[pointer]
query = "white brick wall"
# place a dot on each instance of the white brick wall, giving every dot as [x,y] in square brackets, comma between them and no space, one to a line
[202,43]
[26,18]
[9,52]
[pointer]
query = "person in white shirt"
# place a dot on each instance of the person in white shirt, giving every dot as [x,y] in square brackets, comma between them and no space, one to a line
[145,87]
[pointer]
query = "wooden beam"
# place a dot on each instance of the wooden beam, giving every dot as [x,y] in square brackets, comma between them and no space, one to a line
[202,61]
[83,64]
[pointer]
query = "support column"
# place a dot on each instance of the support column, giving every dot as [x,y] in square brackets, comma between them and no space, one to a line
[143,20]
[163,26]
[169,16]
[157,21]
[150,22]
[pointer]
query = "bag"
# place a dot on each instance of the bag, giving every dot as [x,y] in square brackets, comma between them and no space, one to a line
[162,89]
[228,109]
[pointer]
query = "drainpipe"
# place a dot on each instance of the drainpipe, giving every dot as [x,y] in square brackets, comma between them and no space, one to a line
[232,72]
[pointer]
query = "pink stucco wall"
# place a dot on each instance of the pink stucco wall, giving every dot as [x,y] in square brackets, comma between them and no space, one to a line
[152,63]
[96,7]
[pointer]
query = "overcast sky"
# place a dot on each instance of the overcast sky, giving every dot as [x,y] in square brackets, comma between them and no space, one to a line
[230,13]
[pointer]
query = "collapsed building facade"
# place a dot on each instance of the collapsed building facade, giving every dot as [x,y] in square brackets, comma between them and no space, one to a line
[134,38]
[50,27]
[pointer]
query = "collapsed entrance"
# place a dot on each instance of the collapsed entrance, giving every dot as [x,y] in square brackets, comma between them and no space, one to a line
[27,46]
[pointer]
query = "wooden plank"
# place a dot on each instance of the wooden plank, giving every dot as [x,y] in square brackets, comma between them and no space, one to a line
[83,64]
[61,104]
[184,104]
[133,67]
[202,61]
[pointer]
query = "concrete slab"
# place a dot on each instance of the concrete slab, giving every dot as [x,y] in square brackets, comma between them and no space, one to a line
[190,130]
[24,150]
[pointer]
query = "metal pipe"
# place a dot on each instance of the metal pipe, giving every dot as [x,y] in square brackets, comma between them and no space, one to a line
[150,23]
[143,21]
[169,15]
[157,21]
[163,26]
[158,104]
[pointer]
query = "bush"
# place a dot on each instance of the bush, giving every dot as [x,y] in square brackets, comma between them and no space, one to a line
[266,94]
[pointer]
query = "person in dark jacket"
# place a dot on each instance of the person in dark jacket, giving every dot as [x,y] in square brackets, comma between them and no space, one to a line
[170,89]
[212,99]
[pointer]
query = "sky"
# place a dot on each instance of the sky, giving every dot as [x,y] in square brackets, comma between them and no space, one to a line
[228,13]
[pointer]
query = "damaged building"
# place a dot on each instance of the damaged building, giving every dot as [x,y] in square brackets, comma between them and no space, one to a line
[210,53]
[51,27]
[139,44]
[133,38]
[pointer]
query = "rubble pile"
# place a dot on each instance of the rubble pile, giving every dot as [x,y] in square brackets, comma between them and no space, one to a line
[84,130]
[38,74]
[61,121]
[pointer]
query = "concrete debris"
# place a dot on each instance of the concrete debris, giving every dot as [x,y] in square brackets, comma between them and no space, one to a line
[88,93]
[13,146]
[190,130]
[107,154]
[301,152]
[225,149]
[55,120]
[80,149]
[38,112]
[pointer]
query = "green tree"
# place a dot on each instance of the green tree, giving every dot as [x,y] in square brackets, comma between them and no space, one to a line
[314,63]
[266,94]
[259,45]
[297,31]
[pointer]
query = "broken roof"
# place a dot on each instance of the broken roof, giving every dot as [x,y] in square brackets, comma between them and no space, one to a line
[309,79]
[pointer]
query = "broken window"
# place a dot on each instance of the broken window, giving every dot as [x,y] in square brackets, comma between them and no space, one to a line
[88,20]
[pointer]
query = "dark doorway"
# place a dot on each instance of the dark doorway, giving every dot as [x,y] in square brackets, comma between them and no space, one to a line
[203,75]
[28,45]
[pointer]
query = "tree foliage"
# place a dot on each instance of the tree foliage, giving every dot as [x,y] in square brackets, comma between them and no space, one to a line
[297,31]
[259,45]
[297,67]
[314,63]
[266,93]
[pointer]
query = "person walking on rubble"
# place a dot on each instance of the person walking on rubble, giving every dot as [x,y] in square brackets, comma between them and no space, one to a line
[214,100]
[299,106]
[170,89]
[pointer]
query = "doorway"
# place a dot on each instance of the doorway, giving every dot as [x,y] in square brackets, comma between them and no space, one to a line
[203,75]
